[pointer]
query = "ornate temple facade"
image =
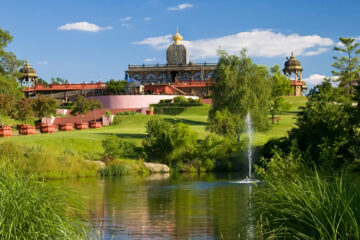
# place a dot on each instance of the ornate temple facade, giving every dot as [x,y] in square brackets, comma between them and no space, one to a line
[293,70]
[178,75]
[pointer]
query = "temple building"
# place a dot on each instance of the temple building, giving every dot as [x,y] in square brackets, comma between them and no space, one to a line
[178,75]
[293,70]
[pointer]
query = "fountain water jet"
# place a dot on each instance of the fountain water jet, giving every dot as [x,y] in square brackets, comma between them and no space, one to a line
[249,131]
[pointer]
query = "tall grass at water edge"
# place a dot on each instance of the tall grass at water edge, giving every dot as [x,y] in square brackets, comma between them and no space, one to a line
[43,163]
[121,167]
[308,207]
[30,209]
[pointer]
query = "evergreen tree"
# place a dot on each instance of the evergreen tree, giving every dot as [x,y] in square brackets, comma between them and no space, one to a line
[347,66]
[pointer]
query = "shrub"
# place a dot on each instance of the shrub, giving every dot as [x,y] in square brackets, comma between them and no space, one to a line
[165,101]
[180,100]
[127,113]
[116,147]
[157,144]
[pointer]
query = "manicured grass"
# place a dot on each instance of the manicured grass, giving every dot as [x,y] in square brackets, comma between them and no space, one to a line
[87,143]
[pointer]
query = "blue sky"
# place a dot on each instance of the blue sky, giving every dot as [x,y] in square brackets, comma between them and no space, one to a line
[96,40]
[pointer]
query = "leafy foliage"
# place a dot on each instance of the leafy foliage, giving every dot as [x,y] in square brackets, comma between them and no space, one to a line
[6,106]
[24,109]
[81,106]
[157,144]
[59,80]
[327,134]
[280,87]
[45,106]
[178,146]
[94,105]
[240,86]
[9,66]
[116,147]
[114,87]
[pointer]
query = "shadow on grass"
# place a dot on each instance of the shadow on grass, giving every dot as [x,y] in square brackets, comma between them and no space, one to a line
[186,121]
[126,135]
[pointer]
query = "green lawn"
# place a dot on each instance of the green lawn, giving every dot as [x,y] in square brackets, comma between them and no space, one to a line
[87,143]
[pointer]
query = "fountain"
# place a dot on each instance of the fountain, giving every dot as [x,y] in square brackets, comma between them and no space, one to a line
[249,131]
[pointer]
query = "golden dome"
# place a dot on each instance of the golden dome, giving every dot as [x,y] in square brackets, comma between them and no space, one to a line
[28,71]
[177,38]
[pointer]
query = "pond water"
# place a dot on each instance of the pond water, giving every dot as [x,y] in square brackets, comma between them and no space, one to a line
[206,206]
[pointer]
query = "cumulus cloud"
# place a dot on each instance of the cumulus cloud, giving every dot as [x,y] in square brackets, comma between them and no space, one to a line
[42,62]
[147,19]
[126,19]
[150,59]
[83,26]
[259,43]
[180,7]
[316,79]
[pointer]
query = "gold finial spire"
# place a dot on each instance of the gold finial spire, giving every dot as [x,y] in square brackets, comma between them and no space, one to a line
[177,37]
[27,63]
[292,54]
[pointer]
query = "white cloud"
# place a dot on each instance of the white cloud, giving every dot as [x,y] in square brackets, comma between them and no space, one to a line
[126,19]
[147,19]
[180,7]
[42,62]
[161,42]
[316,79]
[83,26]
[150,59]
[259,43]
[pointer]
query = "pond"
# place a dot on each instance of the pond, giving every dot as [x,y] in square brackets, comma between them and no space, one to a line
[206,206]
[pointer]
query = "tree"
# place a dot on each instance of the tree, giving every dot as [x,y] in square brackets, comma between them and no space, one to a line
[240,86]
[325,135]
[59,80]
[24,109]
[41,81]
[114,87]
[93,105]
[6,106]
[81,107]
[347,66]
[280,87]
[9,66]
[45,106]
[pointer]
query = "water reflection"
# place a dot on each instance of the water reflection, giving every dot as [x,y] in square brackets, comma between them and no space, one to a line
[205,206]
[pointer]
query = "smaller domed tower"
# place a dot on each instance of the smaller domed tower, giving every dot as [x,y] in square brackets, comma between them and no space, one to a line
[28,75]
[293,70]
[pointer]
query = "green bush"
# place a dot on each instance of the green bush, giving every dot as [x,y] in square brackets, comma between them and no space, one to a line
[116,147]
[165,101]
[157,144]
[180,100]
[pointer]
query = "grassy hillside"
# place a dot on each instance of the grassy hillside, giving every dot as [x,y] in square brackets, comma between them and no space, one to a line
[87,143]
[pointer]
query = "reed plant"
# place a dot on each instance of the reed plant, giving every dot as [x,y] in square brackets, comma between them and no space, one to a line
[30,209]
[311,206]
[121,167]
